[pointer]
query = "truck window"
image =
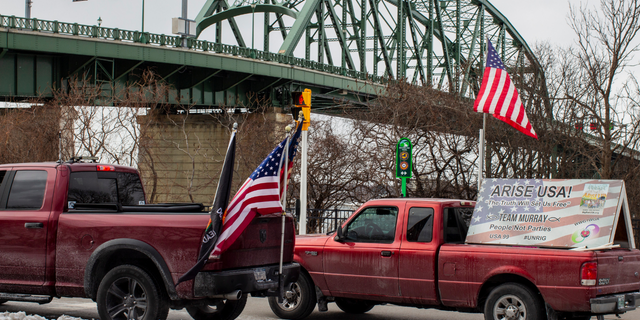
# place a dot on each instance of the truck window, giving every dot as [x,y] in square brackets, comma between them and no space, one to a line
[375,224]
[27,190]
[420,225]
[105,187]
[456,224]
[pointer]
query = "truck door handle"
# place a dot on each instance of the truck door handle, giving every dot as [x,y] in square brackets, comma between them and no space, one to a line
[34,225]
[386,253]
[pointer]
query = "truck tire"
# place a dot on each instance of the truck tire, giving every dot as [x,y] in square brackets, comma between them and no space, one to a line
[299,302]
[354,306]
[513,301]
[224,310]
[128,292]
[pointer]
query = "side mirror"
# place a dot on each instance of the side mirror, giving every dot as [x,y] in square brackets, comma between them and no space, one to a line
[339,236]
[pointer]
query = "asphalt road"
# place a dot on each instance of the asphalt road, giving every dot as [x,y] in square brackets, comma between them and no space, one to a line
[258,309]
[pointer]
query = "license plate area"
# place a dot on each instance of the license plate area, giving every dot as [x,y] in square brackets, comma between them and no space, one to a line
[621,303]
[260,274]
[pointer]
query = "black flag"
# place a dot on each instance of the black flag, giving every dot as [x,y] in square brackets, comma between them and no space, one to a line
[218,209]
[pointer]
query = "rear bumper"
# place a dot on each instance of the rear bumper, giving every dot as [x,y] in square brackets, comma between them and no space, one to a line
[247,280]
[616,303]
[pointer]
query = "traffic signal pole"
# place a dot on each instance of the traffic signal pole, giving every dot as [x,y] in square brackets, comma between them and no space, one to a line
[303,100]
[303,183]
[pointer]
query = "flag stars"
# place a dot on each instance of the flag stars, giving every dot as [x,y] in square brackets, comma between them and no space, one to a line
[514,209]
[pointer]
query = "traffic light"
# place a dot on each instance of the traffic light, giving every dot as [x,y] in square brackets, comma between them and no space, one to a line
[301,98]
[302,101]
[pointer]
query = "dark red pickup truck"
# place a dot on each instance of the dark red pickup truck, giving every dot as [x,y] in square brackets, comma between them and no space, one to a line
[83,230]
[411,252]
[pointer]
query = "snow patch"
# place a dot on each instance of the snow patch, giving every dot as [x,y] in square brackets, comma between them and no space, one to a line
[23,316]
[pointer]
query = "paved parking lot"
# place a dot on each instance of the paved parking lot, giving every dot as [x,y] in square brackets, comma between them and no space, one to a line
[258,309]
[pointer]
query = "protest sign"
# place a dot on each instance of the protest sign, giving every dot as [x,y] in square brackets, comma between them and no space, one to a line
[550,213]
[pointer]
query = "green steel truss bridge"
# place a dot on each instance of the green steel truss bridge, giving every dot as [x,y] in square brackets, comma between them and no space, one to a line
[341,49]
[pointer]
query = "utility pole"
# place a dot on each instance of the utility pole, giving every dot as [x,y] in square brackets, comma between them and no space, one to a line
[186,23]
[27,9]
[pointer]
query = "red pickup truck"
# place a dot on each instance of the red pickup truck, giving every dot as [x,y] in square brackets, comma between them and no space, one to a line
[83,230]
[411,252]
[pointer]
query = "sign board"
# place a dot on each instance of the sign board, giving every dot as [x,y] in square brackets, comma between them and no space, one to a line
[183,26]
[550,213]
[403,158]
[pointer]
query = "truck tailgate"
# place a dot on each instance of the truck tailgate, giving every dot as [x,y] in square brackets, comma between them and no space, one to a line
[259,244]
[618,271]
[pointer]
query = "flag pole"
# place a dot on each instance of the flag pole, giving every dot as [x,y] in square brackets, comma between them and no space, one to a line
[284,214]
[481,151]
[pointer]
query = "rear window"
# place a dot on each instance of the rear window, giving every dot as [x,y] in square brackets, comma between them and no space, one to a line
[420,225]
[27,190]
[105,187]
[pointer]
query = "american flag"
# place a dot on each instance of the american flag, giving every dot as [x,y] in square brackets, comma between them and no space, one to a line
[260,194]
[499,97]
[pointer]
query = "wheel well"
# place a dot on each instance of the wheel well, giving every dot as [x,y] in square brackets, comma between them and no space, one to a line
[119,257]
[499,279]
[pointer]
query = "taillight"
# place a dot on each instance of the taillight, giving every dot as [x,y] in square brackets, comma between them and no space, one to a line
[106,168]
[589,273]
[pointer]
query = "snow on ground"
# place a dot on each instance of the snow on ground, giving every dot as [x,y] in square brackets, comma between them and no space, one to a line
[23,316]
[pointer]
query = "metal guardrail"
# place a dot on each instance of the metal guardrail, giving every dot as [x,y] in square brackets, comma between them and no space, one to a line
[323,220]
[635,224]
[116,34]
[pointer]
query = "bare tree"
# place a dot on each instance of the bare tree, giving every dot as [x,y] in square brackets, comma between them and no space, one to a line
[29,134]
[596,90]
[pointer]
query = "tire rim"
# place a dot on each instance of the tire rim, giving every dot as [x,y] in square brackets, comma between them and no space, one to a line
[509,307]
[291,298]
[126,299]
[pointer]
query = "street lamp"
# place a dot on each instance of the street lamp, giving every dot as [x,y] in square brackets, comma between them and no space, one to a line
[253,29]
[142,16]
[99,21]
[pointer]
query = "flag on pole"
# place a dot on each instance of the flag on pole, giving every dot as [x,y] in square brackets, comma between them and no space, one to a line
[260,194]
[293,150]
[218,209]
[499,97]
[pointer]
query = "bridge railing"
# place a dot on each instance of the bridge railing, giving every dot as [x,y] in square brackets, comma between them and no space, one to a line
[116,34]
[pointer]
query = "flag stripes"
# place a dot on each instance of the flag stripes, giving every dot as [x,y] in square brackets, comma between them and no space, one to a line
[498,96]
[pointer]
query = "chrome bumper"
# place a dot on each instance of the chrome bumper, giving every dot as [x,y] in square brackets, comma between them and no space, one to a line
[616,303]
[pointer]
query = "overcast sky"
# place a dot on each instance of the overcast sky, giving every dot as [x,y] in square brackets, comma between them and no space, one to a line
[535,20]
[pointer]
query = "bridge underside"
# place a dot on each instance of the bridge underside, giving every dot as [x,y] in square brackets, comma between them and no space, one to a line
[32,64]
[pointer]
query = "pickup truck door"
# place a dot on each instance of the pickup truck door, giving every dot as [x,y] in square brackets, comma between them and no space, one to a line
[365,263]
[418,256]
[25,203]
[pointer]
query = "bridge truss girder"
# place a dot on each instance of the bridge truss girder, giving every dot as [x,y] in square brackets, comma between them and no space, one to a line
[427,42]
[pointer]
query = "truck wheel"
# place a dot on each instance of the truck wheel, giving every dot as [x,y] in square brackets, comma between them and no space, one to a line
[224,310]
[513,301]
[353,305]
[129,293]
[298,302]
